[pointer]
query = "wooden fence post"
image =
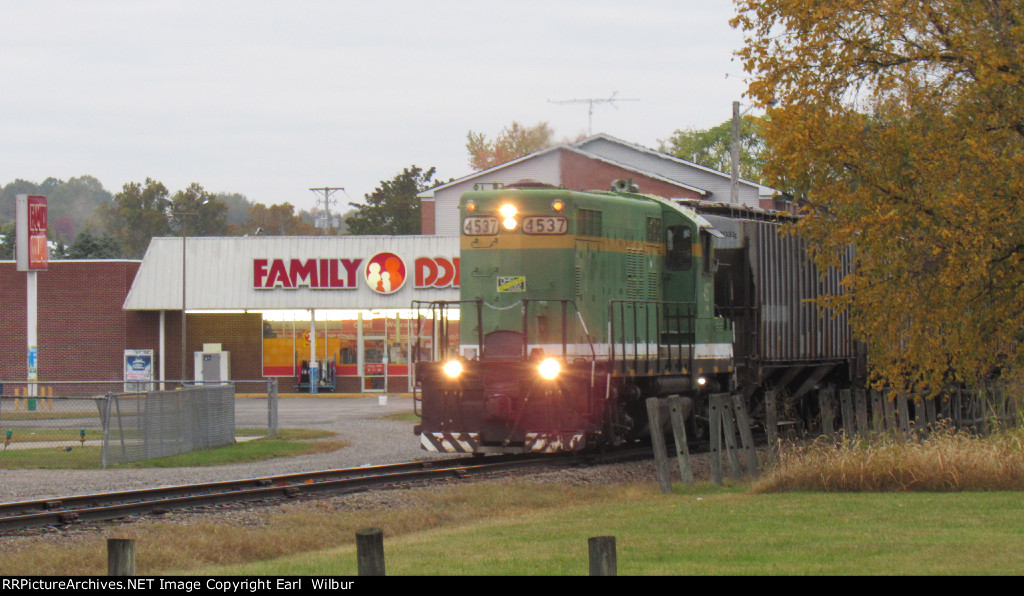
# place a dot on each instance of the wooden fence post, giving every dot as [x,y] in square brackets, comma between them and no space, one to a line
[877,412]
[729,427]
[715,430]
[860,405]
[675,408]
[120,557]
[370,551]
[658,443]
[846,409]
[739,408]
[889,403]
[602,556]
[771,424]
[904,415]
[825,407]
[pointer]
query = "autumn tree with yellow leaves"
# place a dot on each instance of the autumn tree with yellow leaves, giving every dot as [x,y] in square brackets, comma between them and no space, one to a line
[901,123]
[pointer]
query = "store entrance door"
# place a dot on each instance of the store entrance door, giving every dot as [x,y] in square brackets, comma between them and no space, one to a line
[375,364]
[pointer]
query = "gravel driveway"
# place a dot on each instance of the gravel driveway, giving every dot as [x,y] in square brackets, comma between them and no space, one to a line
[357,420]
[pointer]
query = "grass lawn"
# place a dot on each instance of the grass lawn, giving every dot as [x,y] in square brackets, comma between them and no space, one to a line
[517,529]
[288,442]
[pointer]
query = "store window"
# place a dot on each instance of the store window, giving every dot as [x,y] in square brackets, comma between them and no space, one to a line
[372,345]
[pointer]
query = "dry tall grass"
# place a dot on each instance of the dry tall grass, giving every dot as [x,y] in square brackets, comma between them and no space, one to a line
[945,460]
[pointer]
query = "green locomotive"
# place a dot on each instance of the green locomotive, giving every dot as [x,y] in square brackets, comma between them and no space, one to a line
[575,306]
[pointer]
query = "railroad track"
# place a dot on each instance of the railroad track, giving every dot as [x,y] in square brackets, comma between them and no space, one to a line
[62,511]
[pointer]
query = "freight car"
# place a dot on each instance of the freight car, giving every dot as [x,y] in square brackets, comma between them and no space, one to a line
[577,306]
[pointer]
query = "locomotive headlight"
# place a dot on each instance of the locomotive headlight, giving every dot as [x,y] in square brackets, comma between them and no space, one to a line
[470,206]
[508,211]
[557,205]
[549,369]
[702,381]
[452,369]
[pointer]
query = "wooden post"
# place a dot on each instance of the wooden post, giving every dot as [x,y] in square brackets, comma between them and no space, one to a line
[675,409]
[729,432]
[981,404]
[715,430]
[370,551]
[930,412]
[920,420]
[120,557]
[602,556]
[860,404]
[846,408]
[904,415]
[955,407]
[658,443]
[739,407]
[825,407]
[890,412]
[877,412]
[771,424]
[999,398]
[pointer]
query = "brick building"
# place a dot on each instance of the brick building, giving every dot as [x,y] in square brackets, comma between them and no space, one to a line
[592,164]
[82,327]
[334,310]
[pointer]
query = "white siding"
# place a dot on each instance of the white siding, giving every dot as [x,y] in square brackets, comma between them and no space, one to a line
[666,166]
[220,272]
[544,167]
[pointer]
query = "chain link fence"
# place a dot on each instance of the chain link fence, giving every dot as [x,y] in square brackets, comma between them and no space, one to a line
[108,423]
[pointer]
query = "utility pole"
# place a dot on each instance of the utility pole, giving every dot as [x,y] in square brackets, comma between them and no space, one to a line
[591,101]
[326,201]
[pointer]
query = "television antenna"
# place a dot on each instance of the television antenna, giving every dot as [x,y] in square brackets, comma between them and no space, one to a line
[591,102]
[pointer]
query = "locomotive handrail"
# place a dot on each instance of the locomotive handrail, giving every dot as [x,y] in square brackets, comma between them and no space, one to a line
[565,327]
[683,311]
[440,307]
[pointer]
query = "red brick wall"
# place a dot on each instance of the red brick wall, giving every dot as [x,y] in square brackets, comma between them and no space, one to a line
[582,173]
[82,329]
[240,334]
[427,218]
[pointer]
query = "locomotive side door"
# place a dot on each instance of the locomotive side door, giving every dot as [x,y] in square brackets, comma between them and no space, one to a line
[682,247]
[681,276]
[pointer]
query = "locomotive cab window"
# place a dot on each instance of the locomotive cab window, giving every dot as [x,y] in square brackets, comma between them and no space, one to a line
[678,248]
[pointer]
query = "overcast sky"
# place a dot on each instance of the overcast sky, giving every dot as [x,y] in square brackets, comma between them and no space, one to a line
[270,98]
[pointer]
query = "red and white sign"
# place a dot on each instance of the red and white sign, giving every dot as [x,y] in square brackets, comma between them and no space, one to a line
[384,273]
[32,251]
[312,273]
[437,272]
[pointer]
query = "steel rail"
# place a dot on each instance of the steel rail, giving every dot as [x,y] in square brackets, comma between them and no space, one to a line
[61,511]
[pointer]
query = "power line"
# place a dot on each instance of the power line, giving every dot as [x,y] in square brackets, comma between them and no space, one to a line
[324,198]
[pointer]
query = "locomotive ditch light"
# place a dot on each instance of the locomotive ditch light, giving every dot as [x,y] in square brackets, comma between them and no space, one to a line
[470,206]
[549,369]
[702,381]
[557,205]
[508,211]
[452,369]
